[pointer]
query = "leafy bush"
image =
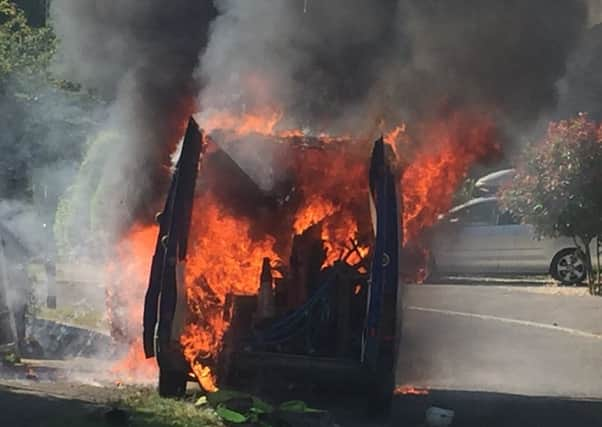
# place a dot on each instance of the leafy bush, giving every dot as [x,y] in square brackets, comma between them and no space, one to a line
[558,184]
[23,50]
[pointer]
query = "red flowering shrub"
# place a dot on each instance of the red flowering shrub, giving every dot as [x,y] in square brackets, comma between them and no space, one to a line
[558,184]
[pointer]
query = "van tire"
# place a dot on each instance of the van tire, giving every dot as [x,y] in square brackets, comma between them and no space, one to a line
[172,383]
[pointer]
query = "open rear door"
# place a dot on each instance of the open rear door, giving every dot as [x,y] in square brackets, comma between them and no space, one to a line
[381,331]
[170,254]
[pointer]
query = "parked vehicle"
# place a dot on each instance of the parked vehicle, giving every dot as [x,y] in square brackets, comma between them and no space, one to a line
[489,185]
[480,238]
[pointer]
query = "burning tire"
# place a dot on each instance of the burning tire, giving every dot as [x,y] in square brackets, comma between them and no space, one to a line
[568,267]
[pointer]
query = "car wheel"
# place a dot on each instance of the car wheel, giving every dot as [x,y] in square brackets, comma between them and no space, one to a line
[568,267]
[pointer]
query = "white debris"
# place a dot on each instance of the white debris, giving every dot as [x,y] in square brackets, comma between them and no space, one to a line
[439,417]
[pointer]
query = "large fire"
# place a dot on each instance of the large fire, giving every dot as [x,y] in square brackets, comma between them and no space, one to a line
[125,293]
[448,149]
[223,258]
[226,248]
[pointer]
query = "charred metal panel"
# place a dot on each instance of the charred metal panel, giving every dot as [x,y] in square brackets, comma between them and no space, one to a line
[379,334]
[171,246]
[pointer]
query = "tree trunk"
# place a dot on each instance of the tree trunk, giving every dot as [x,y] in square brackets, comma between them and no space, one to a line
[585,241]
[598,250]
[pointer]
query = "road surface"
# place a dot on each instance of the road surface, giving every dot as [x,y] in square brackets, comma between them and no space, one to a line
[502,339]
[483,348]
[497,355]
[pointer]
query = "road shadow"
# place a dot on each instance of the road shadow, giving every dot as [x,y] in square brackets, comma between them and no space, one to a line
[472,409]
[19,408]
[480,409]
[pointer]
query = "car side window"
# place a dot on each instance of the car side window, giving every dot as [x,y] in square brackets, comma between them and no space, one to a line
[477,215]
[508,218]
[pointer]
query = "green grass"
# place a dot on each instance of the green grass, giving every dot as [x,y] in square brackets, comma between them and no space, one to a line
[144,408]
[148,409]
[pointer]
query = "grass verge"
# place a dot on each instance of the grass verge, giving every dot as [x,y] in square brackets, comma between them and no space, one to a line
[144,408]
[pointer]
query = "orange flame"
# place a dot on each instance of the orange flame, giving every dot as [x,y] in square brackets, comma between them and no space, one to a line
[226,251]
[223,258]
[449,149]
[243,124]
[125,296]
[312,213]
[410,390]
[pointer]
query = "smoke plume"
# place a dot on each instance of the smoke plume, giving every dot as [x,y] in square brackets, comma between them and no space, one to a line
[341,65]
[140,56]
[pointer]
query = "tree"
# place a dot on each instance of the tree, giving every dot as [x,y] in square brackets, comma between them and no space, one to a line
[45,121]
[24,50]
[558,186]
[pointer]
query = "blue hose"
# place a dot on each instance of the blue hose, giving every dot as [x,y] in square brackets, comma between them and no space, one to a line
[285,328]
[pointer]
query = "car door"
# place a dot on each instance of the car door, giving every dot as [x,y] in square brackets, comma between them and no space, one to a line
[464,243]
[520,250]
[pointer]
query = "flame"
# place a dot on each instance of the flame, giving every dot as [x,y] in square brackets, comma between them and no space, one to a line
[128,280]
[410,390]
[336,234]
[134,367]
[316,209]
[335,182]
[243,124]
[205,377]
[226,250]
[448,149]
[395,137]
[338,228]
[222,258]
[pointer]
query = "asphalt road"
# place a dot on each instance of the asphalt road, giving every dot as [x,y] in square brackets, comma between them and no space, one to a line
[501,339]
[497,355]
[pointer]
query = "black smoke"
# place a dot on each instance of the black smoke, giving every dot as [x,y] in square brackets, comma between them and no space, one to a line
[140,56]
[502,57]
[341,64]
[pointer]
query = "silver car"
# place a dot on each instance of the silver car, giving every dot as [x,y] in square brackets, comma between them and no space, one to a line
[477,237]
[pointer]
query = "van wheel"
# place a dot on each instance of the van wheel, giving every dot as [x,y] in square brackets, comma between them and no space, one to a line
[568,267]
[172,383]
[381,393]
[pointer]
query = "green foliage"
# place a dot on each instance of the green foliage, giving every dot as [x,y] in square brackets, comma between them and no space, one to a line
[230,415]
[236,408]
[24,51]
[9,359]
[558,185]
[45,120]
[142,408]
[75,225]
[148,409]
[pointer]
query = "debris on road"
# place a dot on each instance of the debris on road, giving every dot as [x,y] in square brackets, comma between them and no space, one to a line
[439,417]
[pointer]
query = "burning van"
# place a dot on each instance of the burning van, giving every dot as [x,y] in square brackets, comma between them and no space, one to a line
[289,265]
